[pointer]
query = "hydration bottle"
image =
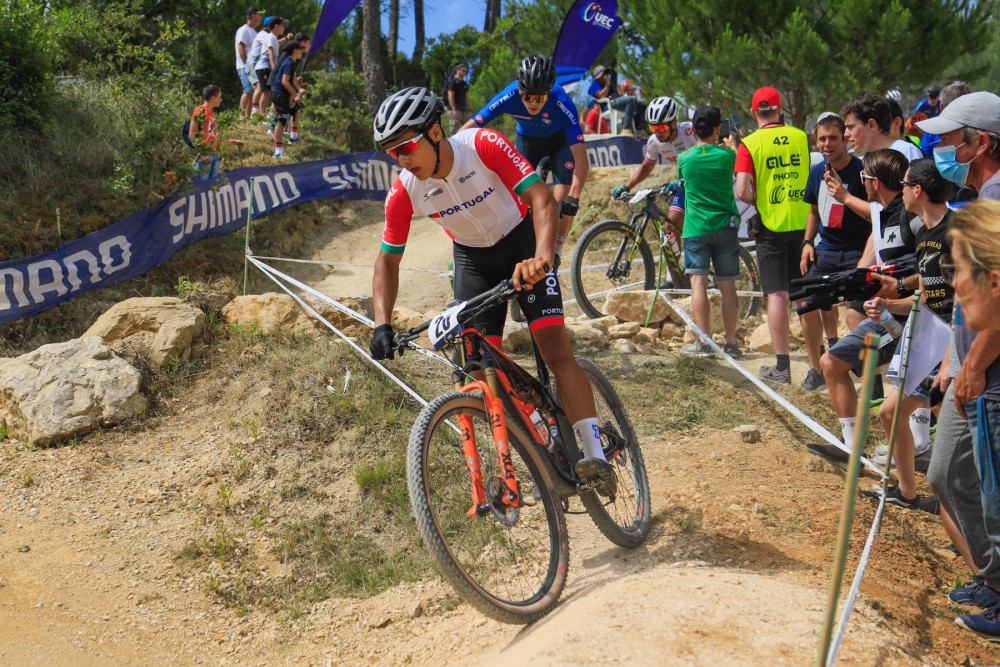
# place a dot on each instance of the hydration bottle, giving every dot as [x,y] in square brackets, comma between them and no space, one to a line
[889,323]
[540,426]
[674,242]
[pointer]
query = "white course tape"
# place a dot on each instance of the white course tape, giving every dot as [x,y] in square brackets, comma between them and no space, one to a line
[808,421]
[312,311]
[831,656]
[271,272]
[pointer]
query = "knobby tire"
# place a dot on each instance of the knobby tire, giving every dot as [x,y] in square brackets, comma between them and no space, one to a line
[511,573]
[592,257]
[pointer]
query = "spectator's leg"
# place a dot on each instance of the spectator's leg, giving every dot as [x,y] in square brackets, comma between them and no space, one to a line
[982,535]
[777,321]
[831,318]
[730,308]
[701,309]
[903,450]
[812,333]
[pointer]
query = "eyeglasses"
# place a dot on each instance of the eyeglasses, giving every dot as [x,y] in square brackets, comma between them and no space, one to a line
[866,177]
[405,148]
[909,184]
[665,127]
[531,98]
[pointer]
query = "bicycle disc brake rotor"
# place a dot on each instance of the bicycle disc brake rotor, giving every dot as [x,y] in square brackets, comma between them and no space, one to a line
[495,491]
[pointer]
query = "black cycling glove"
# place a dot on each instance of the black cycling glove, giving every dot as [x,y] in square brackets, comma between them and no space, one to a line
[569,206]
[381,345]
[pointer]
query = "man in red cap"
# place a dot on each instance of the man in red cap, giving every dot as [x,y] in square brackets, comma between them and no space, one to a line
[772,168]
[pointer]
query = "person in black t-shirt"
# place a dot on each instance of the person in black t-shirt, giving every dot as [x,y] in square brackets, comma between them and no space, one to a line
[285,96]
[458,97]
[837,230]
[926,193]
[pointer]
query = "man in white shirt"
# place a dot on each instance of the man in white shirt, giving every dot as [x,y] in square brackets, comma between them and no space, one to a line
[244,41]
[869,126]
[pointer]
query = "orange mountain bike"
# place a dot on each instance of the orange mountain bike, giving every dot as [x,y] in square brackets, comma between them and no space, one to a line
[491,471]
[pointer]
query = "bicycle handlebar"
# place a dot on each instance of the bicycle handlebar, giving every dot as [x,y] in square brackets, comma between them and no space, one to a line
[502,293]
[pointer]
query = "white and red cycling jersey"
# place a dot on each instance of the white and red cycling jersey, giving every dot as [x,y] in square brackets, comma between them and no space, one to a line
[670,149]
[478,203]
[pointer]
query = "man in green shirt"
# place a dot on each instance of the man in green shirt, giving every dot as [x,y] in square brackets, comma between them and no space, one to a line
[710,228]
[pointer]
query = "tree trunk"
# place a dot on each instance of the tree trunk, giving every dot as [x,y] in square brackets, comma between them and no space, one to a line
[371,63]
[418,22]
[492,15]
[393,29]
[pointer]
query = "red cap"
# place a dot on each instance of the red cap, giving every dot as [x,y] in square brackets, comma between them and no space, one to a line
[765,99]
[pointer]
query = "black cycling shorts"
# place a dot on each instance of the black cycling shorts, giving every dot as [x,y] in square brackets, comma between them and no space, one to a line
[478,270]
[553,147]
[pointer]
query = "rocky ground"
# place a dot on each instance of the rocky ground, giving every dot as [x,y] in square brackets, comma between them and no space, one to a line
[735,570]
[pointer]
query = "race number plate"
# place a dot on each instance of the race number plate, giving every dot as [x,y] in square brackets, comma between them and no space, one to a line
[444,324]
[639,196]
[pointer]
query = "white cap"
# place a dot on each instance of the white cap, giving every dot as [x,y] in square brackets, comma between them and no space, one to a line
[826,114]
[980,111]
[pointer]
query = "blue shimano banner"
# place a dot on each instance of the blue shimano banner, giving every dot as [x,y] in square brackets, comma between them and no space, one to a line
[586,30]
[333,14]
[145,240]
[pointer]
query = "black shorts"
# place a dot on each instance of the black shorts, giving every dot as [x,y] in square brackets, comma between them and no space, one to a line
[283,108]
[478,270]
[553,147]
[778,257]
[263,75]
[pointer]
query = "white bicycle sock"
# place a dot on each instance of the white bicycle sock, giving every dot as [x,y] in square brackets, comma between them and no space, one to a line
[847,429]
[589,436]
[560,243]
[920,427]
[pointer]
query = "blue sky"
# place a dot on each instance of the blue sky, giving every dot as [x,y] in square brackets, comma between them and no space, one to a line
[440,16]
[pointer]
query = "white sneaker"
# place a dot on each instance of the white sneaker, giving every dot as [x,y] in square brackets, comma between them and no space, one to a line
[293,137]
[279,154]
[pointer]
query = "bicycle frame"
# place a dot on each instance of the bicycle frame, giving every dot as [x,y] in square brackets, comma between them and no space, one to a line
[650,213]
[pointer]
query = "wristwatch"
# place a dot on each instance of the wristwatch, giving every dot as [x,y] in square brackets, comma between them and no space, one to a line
[806,242]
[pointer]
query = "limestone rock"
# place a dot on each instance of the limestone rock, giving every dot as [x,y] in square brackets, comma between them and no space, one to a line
[633,306]
[604,323]
[405,318]
[623,330]
[670,330]
[623,346]
[646,335]
[165,327]
[748,433]
[66,389]
[760,340]
[517,337]
[279,312]
[587,335]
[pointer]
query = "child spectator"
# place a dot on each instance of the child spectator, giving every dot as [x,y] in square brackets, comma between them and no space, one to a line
[204,135]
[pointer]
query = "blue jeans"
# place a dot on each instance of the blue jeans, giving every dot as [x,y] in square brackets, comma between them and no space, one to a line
[245,81]
[627,104]
[204,172]
[985,429]
[721,248]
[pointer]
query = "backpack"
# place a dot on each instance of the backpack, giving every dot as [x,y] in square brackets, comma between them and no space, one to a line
[185,131]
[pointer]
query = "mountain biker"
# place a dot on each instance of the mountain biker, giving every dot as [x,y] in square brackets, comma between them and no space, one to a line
[669,139]
[547,125]
[502,220]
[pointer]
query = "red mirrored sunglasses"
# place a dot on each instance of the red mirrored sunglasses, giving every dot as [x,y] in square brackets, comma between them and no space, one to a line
[665,127]
[405,148]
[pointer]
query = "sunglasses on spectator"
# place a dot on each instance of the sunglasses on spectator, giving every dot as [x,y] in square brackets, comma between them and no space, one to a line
[665,127]
[948,268]
[531,98]
[909,184]
[404,148]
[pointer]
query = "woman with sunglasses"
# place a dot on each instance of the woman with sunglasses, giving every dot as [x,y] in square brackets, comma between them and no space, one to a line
[502,220]
[973,270]
[547,126]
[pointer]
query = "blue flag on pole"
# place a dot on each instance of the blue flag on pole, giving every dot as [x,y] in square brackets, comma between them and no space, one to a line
[586,30]
[333,14]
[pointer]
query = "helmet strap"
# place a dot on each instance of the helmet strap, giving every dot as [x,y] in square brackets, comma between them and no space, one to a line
[436,145]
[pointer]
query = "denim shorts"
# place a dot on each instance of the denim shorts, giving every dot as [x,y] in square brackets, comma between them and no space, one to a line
[848,348]
[721,248]
[987,457]
[245,80]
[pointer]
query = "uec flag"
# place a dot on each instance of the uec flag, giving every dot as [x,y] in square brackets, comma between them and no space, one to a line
[586,30]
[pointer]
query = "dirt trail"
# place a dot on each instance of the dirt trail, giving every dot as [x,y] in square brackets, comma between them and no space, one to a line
[734,571]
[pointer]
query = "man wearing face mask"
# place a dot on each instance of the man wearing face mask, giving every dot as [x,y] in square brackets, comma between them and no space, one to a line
[969,152]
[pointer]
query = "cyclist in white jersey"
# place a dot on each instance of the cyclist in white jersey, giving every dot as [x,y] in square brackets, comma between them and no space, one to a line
[669,139]
[483,192]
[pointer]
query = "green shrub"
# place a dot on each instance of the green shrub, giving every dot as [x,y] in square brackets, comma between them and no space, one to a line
[27,61]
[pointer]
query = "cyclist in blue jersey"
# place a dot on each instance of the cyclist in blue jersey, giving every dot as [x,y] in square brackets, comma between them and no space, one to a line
[547,126]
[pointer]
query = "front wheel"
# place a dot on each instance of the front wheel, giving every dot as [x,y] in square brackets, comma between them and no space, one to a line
[626,519]
[509,563]
[610,257]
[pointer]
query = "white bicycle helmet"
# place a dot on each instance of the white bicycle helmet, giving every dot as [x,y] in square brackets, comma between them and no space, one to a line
[661,110]
[894,95]
[409,109]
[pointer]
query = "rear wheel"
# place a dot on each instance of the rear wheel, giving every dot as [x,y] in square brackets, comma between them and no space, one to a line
[509,563]
[625,520]
[609,257]
[748,281]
